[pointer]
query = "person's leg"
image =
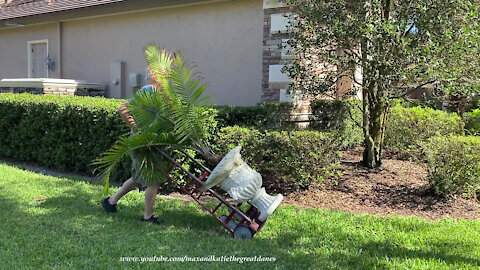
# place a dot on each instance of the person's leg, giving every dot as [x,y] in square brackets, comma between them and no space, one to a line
[127,186]
[150,196]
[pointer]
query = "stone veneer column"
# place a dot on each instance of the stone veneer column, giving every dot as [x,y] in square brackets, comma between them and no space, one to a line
[274,82]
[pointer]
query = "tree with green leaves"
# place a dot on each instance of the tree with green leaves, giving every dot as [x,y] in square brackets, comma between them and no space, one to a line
[173,117]
[384,47]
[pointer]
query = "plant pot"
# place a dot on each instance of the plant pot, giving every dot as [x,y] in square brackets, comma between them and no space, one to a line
[242,183]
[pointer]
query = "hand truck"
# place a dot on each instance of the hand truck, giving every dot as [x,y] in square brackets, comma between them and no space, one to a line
[242,225]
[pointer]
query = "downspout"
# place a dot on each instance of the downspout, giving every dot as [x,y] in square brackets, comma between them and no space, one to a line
[59,53]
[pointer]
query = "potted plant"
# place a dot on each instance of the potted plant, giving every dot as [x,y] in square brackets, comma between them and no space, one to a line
[174,116]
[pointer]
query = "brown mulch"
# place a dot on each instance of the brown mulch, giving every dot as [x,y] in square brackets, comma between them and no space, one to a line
[400,188]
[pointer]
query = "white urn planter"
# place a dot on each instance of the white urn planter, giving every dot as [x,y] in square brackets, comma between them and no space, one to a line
[242,183]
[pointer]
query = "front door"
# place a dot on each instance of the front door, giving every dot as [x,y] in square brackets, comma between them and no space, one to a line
[39,65]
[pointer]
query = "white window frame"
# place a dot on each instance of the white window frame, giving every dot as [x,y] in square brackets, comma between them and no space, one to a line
[30,55]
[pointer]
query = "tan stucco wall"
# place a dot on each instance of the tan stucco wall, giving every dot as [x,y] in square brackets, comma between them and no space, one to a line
[14,48]
[223,39]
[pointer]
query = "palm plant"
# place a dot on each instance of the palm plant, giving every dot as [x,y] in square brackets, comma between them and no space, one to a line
[171,117]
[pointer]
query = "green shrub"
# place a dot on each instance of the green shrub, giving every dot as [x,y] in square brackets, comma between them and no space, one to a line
[269,115]
[63,132]
[474,101]
[66,133]
[472,122]
[286,159]
[454,164]
[407,128]
[342,117]
[434,103]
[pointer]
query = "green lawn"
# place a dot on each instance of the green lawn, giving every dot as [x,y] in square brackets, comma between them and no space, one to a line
[57,223]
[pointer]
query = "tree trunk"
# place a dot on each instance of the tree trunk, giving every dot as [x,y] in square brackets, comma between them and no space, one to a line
[374,113]
[375,116]
[372,154]
[374,120]
[211,158]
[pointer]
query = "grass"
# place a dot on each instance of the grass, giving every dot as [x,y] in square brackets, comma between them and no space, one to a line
[57,223]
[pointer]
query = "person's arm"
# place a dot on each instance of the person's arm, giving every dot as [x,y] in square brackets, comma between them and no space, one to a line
[127,118]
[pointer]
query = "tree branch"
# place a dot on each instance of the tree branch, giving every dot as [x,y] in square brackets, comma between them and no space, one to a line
[412,90]
[408,30]
[352,118]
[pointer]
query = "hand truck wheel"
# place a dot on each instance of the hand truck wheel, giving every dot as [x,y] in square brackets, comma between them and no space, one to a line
[243,232]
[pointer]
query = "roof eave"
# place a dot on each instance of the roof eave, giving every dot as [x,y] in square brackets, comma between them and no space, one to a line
[95,11]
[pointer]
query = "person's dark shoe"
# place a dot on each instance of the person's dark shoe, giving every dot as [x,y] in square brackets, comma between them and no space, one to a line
[109,208]
[152,219]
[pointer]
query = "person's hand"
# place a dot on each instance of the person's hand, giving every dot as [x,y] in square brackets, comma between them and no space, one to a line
[134,128]
[128,119]
[131,122]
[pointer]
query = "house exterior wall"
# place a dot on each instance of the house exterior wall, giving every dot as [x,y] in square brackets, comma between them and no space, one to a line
[14,48]
[223,40]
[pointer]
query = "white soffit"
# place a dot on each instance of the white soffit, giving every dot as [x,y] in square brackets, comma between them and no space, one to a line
[47,82]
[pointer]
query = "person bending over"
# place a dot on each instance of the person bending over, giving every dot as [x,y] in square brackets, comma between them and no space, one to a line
[110,203]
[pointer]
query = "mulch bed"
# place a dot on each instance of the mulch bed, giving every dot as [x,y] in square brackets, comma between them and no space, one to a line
[400,188]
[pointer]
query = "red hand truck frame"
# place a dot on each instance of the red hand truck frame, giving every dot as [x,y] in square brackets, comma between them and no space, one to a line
[242,225]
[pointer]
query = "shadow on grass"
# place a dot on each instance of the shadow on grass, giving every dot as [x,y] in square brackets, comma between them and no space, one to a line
[76,203]
[317,239]
[352,250]
[384,255]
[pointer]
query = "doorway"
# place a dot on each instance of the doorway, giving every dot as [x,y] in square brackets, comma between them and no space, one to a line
[37,55]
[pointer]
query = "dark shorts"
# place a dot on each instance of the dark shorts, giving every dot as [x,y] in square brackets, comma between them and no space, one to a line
[136,162]
[135,165]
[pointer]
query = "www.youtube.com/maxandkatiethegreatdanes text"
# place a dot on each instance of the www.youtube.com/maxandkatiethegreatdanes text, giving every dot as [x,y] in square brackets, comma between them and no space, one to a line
[211,258]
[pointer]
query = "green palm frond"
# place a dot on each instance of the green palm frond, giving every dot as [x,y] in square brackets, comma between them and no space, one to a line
[149,111]
[111,158]
[182,94]
[189,122]
[152,167]
[171,116]
[159,63]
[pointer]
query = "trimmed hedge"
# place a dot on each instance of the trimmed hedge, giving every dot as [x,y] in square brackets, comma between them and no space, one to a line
[407,128]
[454,164]
[265,115]
[472,122]
[66,133]
[340,116]
[287,160]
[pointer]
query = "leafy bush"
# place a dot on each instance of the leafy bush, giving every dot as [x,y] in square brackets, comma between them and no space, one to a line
[67,133]
[407,128]
[434,103]
[338,116]
[264,115]
[454,164]
[286,159]
[472,122]
[63,132]
[474,102]
[57,131]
